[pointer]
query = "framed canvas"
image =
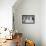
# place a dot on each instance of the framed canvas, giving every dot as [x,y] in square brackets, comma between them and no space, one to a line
[28,19]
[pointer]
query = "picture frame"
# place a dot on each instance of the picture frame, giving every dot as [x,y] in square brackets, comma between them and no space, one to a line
[28,19]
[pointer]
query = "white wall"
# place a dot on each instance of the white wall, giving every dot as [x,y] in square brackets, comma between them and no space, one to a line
[29,7]
[6,13]
[43,22]
[31,31]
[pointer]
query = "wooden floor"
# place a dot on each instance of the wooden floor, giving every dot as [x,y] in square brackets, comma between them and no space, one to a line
[9,43]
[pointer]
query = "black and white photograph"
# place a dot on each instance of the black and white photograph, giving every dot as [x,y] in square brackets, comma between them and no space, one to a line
[28,19]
